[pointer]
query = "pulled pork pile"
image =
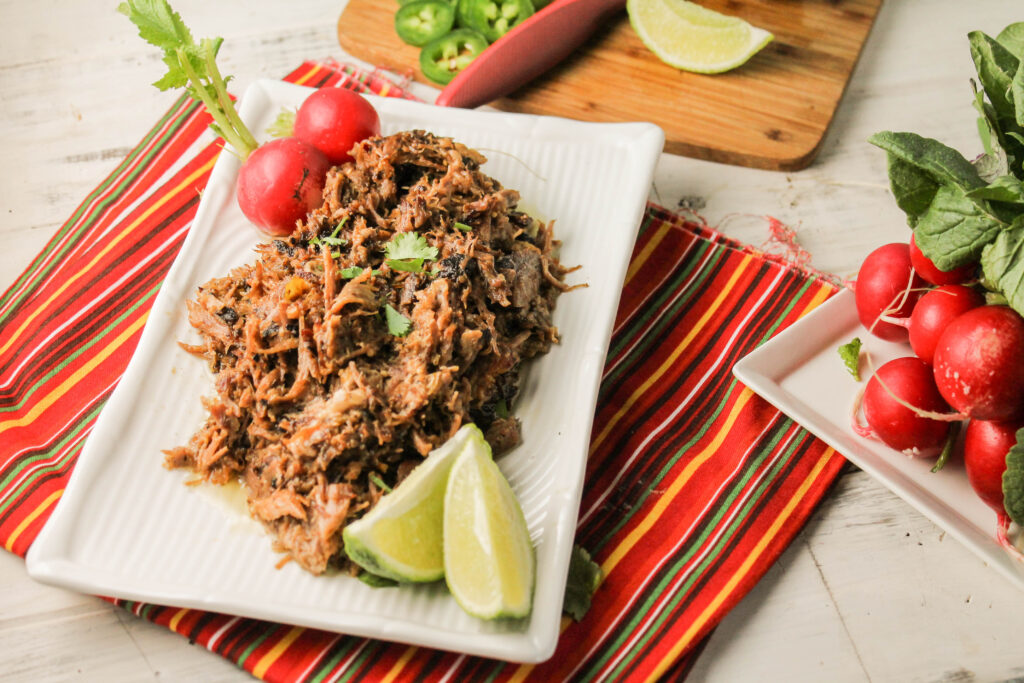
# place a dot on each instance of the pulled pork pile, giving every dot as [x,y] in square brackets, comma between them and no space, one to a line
[337,368]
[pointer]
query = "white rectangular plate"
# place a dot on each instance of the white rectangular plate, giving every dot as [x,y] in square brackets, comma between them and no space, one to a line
[128,528]
[800,372]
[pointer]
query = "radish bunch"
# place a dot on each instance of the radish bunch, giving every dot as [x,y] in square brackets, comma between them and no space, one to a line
[967,366]
[281,180]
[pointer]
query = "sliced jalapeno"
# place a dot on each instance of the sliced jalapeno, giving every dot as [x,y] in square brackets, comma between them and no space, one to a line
[422,21]
[494,18]
[446,56]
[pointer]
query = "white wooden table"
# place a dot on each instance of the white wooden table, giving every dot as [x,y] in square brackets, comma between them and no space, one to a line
[869,591]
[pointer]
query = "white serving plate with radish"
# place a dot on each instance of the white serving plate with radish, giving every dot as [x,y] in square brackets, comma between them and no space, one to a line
[800,372]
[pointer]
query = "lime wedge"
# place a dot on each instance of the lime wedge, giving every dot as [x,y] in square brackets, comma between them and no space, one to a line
[401,537]
[488,557]
[693,38]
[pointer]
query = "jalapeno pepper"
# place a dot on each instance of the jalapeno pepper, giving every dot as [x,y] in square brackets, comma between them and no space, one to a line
[417,23]
[446,56]
[494,18]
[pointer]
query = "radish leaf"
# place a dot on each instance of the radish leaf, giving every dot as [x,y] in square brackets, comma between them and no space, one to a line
[1013,480]
[1002,263]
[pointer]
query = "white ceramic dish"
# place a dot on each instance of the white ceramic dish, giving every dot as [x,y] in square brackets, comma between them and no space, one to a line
[800,372]
[128,528]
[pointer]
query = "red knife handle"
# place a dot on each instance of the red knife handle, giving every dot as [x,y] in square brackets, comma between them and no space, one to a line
[527,51]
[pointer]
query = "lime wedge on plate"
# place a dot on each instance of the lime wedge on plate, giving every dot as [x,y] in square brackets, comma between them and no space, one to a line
[693,38]
[488,557]
[401,537]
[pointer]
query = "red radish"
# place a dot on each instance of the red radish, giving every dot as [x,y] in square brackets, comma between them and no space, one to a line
[887,286]
[280,183]
[894,386]
[986,443]
[931,273]
[333,120]
[934,312]
[979,363]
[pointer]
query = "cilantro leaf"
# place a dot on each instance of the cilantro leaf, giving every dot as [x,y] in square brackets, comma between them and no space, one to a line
[398,324]
[1013,480]
[584,577]
[407,251]
[375,478]
[850,353]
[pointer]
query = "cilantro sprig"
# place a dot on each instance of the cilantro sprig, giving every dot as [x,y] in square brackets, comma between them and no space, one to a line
[191,65]
[331,240]
[407,251]
[398,324]
[850,353]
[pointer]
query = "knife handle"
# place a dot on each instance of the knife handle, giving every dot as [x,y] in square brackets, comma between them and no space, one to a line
[527,51]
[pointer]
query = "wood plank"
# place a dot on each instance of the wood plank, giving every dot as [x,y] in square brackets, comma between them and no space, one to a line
[771,113]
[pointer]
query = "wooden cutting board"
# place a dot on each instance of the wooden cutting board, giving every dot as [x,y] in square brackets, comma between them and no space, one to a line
[770,113]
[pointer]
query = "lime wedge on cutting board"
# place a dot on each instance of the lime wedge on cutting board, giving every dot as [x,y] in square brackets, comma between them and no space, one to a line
[693,38]
[401,537]
[488,557]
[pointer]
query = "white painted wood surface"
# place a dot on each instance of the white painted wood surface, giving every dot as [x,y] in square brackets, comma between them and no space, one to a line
[869,591]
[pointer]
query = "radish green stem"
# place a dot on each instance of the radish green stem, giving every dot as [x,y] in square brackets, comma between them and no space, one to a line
[234,120]
[947,450]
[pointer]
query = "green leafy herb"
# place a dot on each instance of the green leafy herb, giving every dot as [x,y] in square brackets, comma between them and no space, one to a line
[1013,480]
[374,581]
[584,577]
[398,324]
[463,227]
[407,251]
[1012,38]
[375,478]
[190,65]
[850,353]
[1002,262]
[284,125]
[501,409]
[331,240]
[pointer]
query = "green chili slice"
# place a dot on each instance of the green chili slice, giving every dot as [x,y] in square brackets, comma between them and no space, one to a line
[419,22]
[443,58]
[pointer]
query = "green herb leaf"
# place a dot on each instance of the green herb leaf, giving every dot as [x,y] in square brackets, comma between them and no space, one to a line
[996,67]
[1017,93]
[375,478]
[850,353]
[912,188]
[1012,38]
[1013,480]
[409,245]
[398,324]
[284,125]
[1002,263]
[944,164]
[584,577]
[351,272]
[1005,188]
[501,409]
[954,229]
[412,265]
[374,581]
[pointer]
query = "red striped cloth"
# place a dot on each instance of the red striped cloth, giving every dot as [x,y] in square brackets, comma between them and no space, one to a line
[694,485]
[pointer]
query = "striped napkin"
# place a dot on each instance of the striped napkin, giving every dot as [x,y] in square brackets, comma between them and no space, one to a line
[694,485]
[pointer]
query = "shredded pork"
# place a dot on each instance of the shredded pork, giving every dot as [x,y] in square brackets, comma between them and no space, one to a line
[318,402]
